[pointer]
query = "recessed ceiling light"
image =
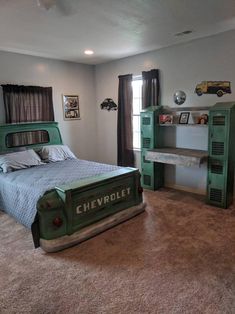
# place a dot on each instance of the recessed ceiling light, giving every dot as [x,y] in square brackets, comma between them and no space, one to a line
[88,52]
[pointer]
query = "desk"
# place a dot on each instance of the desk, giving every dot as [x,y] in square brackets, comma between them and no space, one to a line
[177,156]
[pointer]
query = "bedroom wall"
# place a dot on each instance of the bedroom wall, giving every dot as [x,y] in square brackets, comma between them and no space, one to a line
[65,78]
[181,68]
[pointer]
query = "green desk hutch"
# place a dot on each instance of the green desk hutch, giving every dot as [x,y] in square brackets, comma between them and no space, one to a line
[220,154]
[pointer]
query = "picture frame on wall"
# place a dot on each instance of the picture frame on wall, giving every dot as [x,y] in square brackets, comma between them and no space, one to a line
[71,110]
[184,116]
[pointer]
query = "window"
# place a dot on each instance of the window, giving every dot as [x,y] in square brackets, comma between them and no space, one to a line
[27,138]
[137,106]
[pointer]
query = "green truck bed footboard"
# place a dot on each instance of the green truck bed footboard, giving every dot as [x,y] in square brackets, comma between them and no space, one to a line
[69,209]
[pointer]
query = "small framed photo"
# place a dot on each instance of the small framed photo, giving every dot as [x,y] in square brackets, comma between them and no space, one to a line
[71,109]
[165,119]
[184,116]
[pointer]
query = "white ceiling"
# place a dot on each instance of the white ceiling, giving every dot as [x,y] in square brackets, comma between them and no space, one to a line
[112,28]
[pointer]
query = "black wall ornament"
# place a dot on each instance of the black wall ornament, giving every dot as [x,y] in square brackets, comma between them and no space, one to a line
[108,104]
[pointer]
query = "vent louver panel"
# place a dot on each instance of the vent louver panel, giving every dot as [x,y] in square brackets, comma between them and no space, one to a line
[147,179]
[217,169]
[216,195]
[217,148]
[146,121]
[216,166]
[146,142]
[218,120]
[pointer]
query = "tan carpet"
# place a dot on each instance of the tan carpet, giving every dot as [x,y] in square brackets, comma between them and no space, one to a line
[178,257]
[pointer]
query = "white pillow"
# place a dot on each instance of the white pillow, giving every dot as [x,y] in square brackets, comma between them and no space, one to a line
[19,160]
[52,153]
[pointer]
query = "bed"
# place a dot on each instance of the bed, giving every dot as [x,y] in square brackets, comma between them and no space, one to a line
[68,201]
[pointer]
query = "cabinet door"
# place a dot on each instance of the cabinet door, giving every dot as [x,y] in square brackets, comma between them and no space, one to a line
[152,172]
[218,158]
[218,134]
[147,131]
[217,182]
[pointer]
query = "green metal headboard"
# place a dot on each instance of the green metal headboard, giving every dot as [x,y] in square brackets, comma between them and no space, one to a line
[54,136]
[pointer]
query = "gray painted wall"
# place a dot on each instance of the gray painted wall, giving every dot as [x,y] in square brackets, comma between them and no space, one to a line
[65,78]
[94,137]
[182,67]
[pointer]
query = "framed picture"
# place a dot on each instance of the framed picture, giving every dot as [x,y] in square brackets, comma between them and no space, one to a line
[71,109]
[165,119]
[184,117]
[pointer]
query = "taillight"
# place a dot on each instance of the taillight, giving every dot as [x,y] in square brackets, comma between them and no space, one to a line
[57,222]
[140,189]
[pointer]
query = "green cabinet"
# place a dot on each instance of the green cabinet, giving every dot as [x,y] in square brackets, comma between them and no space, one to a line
[152,173]
[221,149]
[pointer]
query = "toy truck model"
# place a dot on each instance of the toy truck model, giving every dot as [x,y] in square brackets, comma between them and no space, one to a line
[213,87]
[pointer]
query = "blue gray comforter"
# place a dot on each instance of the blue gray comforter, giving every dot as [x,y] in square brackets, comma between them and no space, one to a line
[20,190]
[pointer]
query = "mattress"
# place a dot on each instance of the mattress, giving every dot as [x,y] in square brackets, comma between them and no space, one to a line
[20,190]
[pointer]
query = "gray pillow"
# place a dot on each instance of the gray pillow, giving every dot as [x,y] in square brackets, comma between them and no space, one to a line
[53,153]
[20,160]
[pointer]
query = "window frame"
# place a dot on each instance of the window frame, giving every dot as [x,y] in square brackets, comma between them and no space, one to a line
[137,78]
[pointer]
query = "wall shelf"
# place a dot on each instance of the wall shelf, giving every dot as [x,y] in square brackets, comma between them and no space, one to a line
[177,156]
[187,125]
[190,109]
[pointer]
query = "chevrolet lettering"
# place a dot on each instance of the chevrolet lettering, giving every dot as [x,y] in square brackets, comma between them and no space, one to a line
[103,200]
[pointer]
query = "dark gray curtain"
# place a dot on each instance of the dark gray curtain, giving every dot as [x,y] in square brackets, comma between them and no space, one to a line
[27,103]
[124,125]
[150,88]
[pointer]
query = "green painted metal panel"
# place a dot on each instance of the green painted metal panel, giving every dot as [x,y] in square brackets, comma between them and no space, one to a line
[102,203]
[151,137]
[50,207]
[50,127]
[87,201]
[229,105]
[221,154]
